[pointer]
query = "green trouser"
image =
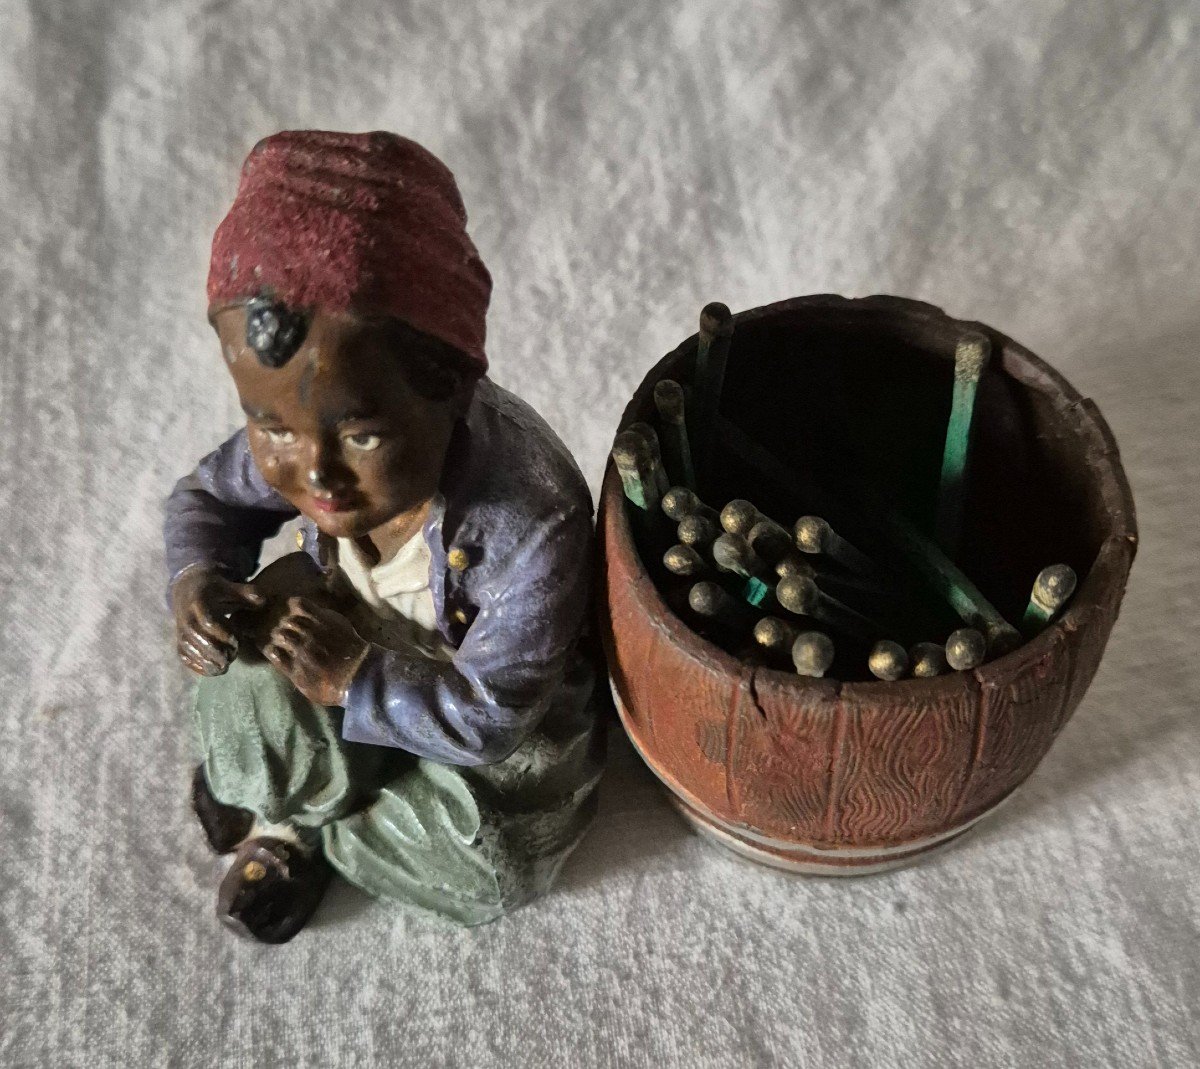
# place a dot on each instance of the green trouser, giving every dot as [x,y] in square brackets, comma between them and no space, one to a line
[465,844]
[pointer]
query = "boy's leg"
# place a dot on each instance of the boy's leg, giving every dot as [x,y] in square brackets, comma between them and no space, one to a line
[470,844]
[272,753]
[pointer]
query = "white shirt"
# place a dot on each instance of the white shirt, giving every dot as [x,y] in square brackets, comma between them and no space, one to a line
[396,592]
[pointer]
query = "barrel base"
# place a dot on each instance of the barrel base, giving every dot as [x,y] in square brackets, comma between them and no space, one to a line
[809,861]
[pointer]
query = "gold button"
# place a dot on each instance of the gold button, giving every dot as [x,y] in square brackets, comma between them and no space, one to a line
[299,539]
[460,616]
[253,871]
[457,559]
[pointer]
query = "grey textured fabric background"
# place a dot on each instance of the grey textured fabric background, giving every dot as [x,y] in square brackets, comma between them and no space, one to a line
[1034,165]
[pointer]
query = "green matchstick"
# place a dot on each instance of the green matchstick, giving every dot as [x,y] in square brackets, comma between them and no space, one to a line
[1051,591]
[952,585]
[970,359]
[634,463]
[669,400]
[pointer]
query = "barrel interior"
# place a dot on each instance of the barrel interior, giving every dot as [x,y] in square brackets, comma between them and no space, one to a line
[855,407]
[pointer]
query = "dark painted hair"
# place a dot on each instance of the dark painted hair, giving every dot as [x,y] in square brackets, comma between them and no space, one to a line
[433,368]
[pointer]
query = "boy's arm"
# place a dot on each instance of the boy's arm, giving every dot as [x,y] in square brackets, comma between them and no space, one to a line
[478,707]
[220,514]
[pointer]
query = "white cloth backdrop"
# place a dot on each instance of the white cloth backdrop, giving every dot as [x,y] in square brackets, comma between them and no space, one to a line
[1034,165]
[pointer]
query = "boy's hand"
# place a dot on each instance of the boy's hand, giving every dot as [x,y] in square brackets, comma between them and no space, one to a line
[200,599]
[317,649]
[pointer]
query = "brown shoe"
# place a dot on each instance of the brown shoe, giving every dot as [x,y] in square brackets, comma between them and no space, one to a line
[224,825]
[272,888]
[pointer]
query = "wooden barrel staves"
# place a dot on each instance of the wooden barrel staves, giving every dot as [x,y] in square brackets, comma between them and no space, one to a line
[843,778]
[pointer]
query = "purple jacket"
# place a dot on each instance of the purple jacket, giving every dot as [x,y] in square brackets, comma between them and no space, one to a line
[512,498]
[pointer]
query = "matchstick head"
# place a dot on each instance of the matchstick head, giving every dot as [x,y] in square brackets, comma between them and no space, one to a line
[648,436]
[798,594]
[971,357]
[697,531]
[928,659]
[1053,587]
[707,599]
[794,565]
[739,516]
[679,502]
[668,399]
[715,320]
[812,653]
[684,560]
[965,649]
[630,450]
[811,534]
[769,541]
[733,554]
[888,660]
[774,634]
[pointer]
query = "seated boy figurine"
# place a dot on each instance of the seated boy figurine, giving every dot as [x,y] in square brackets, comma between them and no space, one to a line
[408,701]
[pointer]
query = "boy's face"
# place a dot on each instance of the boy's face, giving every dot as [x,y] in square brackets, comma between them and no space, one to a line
[337,430]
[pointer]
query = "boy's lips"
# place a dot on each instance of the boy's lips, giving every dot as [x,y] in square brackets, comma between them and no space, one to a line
[331,504]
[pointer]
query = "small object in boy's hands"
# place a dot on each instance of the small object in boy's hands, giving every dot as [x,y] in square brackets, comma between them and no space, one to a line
[698,531]
[814,535]
[965,649]
[775,635]
[888,660]
[1051,591]
[739,516]
[681,501]
[970,358]
[928,660]
[684,560]
[812,653]
[661,482]
[669,400]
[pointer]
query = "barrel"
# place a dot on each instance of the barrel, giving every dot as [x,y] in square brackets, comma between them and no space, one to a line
[822,776]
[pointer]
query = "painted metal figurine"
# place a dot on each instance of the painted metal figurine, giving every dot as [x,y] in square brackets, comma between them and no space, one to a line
[409,701]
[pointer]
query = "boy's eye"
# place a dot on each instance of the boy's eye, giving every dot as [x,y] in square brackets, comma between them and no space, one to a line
[278,437]
[362,442]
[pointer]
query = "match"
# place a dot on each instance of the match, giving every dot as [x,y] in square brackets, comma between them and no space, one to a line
[651,437]
[770,541]
[669,400]
[774,635]
[634,461]
[888,660]
[716,332]
[1051,591]
[952,585]
[685,561]
[803,597]
[698,531]
[970,358]
[681,501]
[814,535]
[733,554]
[928,659]
[713,602]
[965,648]
[739,517]
[812,653]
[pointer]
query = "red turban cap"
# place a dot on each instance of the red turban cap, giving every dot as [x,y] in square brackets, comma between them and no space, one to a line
[370,223]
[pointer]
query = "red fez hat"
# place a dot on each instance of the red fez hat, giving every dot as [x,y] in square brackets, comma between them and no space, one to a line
[370,223]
